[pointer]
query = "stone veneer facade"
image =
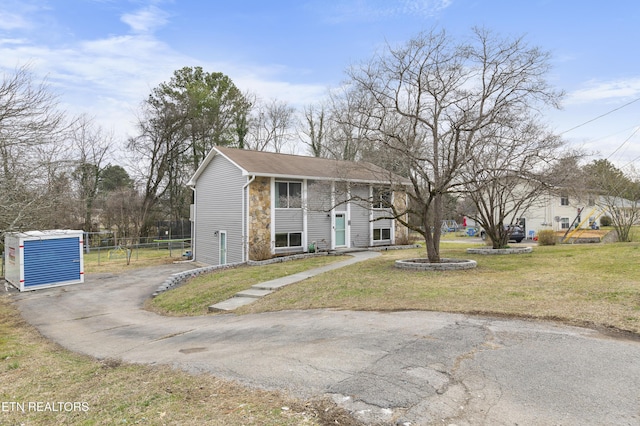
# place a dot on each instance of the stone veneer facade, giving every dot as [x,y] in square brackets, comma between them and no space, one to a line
[260,218]
[400,203]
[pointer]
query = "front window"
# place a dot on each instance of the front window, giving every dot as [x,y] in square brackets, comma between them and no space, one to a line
[564,200]
[564,223]
[381,198]
[290,239]
[288,195]
[381,234]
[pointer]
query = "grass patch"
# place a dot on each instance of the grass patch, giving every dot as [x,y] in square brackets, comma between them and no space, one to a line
[197,294]
[109,392]
[99,260]
[596,285]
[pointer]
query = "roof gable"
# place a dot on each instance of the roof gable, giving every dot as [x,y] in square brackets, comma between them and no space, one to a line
[262,163]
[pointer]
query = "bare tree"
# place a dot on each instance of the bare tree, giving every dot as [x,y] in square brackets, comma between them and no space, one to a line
[349,123]
[159,152]
[516,166]
[313,129]
[122,210]
[619,195]
[429,101]
[31,126]
[91,145]
[271,126]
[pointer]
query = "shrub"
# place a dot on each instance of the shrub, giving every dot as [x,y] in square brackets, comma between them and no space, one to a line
[605,221]
[547,237]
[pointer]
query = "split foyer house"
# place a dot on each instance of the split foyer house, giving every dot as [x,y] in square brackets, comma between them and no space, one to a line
[252,205]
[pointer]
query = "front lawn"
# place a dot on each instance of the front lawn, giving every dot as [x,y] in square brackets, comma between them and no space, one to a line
[195,297]
[589,284]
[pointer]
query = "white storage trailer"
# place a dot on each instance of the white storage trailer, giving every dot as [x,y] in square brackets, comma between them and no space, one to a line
[42,259]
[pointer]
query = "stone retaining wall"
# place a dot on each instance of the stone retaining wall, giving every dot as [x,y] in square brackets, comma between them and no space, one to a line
[492,251]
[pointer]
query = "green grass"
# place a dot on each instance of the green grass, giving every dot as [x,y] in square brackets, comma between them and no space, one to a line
[101,260]
[194,297]
[588,284]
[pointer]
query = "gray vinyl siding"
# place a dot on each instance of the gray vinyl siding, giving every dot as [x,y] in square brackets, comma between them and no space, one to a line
[318,214]
[288,220]
[360,217]
[219,207]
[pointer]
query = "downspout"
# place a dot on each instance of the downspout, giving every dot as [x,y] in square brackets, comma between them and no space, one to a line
[245,218]
[305,223]
[371,217]
[193,227]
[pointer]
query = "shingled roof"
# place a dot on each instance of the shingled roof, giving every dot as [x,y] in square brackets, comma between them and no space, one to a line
[261,163]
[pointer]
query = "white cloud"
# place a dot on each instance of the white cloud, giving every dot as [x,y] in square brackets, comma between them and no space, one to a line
[109,77]
[12,21]
[146,20]
[375,10]
[605,90]
[298,95]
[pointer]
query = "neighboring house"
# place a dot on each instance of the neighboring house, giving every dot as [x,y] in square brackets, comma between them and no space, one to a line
[559,211]
[251,205]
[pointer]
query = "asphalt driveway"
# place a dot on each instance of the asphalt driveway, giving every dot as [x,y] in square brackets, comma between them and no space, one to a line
[418,367]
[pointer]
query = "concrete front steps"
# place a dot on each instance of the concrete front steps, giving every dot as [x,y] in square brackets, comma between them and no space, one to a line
[257,291]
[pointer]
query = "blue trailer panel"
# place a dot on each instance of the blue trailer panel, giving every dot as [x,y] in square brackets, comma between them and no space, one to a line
[41,259]
[51,261]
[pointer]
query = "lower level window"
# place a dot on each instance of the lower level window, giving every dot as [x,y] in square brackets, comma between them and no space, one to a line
[291,239]
[381,234]
[564,223]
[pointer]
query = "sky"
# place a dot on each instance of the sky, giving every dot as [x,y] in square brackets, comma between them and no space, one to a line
[103,57]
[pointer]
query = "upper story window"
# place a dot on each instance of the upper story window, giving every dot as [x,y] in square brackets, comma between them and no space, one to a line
[381,198]
[288,195]
[564,199]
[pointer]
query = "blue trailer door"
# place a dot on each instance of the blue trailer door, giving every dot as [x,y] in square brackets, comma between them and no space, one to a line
[51,261]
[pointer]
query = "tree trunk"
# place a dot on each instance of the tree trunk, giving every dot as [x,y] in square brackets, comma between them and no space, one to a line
[433,229]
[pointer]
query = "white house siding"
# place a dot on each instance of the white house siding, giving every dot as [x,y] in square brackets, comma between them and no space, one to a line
[219,208]
[360,225]
[542,215]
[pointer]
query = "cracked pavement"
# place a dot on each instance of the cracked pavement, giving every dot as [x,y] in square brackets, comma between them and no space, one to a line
[411,367]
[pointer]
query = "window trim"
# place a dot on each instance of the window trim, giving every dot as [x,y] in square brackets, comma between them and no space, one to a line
[288,234]
[381,232]
[382,198]
[277,197]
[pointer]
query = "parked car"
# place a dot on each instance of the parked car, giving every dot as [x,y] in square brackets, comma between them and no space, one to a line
[516,233]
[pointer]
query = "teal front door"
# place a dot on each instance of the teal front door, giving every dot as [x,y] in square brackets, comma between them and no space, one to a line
[340,230]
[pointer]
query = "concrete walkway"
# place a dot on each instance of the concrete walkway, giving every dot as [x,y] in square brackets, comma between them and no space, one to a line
[267,287]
